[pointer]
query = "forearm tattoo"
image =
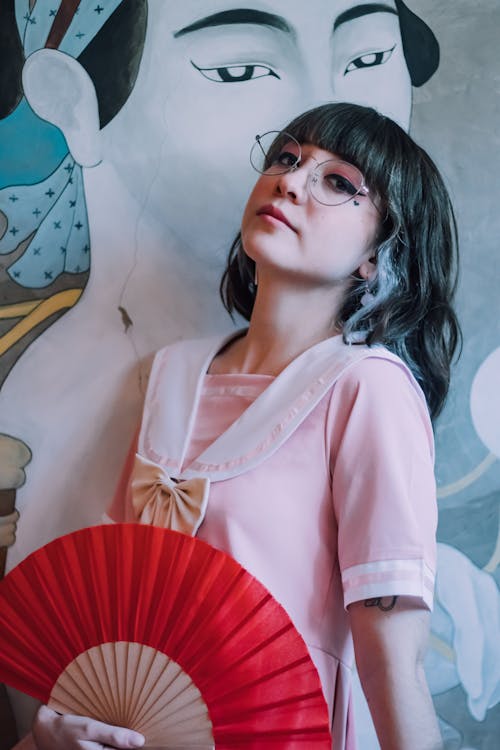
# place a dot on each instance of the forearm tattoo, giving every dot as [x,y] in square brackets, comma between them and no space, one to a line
[379,602]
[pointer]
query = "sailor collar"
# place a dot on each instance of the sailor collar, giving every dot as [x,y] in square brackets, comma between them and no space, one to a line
[174,391]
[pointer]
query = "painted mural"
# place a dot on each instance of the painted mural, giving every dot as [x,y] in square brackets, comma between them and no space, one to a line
[124,137]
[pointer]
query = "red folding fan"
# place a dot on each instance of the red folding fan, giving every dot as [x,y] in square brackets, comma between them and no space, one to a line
[160,632]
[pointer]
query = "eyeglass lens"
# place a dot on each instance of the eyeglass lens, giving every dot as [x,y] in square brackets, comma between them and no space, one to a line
[332,182]
[275,152]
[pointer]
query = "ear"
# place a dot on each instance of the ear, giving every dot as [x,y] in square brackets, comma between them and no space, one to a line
[368,269]
[60,91]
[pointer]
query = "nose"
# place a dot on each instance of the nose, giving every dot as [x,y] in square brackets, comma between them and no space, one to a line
[294,184]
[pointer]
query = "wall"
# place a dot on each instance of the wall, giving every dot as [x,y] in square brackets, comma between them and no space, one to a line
[157,179]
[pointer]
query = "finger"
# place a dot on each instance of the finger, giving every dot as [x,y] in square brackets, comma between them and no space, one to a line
[86,729]
[81,731]
[108,735]
[90,745]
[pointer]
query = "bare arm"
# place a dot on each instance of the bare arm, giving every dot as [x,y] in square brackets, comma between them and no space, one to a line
[390,638]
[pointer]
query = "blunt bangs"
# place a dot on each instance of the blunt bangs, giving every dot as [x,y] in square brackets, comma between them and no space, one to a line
[359,135]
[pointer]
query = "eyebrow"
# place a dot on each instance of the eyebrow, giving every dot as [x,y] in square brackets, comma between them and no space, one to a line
[362,10]
[235,16]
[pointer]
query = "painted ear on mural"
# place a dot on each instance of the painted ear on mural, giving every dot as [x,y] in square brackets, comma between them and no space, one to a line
[61,91]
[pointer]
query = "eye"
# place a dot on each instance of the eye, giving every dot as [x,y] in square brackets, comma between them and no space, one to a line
[339,184]
[369,60]
[284,159]
[236,73]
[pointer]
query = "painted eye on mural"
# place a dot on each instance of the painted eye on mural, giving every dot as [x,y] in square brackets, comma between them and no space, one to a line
[369,60]
[235,73]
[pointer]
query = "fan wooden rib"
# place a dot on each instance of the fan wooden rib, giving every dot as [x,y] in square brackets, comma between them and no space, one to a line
[132,685]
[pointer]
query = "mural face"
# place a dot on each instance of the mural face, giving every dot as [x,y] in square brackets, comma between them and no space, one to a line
[231,74]
[151,146]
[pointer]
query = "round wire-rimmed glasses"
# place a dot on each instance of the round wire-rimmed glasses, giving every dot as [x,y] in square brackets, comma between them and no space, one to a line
[331,183]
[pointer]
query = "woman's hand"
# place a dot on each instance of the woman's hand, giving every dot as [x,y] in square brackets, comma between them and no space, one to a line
[51,731]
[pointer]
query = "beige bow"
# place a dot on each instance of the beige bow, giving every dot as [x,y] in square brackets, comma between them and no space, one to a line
[159,500]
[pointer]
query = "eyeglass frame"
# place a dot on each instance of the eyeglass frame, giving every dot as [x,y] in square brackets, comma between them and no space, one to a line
[363,190]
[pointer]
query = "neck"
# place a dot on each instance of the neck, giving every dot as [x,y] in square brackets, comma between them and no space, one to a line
[286,321]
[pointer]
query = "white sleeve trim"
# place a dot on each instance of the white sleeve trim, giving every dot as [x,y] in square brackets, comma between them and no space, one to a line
[389,578]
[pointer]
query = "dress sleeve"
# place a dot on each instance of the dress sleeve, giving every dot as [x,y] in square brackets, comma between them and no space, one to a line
[384,491]
[121,508]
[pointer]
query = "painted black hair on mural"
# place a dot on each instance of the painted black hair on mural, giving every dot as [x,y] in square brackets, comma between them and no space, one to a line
[11,60]
[111,59]
[409,309]
[420,46]
[113,66]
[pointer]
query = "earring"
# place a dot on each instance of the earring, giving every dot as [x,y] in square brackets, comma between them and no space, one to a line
[368,297]
[255,277]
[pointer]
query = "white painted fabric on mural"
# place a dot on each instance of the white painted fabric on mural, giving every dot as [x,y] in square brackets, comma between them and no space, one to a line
[465,647]
[61,240]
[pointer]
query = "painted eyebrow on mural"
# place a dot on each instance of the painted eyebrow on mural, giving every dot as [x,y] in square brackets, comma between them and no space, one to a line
[238,15]
[362,10]
[262,18]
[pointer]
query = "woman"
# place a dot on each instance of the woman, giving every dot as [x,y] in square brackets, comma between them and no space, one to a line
[312,425]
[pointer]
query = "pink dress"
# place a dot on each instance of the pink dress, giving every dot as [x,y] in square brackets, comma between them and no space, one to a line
[321,483]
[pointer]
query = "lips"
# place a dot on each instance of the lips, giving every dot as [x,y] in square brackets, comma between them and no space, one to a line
[274,211]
